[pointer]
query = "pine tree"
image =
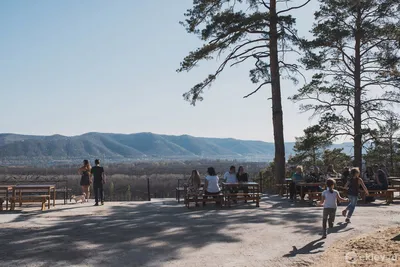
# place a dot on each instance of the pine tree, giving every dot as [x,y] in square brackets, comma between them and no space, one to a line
[242,31]
[355,56]
[309,148]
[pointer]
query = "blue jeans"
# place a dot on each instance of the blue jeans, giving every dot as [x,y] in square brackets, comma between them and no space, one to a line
[352,205]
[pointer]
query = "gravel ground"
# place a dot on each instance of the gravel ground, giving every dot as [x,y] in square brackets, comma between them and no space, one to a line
[163,233]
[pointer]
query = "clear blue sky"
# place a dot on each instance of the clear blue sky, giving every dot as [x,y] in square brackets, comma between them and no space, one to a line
[70,67]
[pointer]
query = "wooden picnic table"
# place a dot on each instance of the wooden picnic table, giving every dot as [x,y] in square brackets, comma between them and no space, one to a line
[7,189]
[305,184]
[48,188]
[253,191]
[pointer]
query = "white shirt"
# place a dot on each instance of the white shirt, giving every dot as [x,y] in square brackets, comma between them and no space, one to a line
[330,199]
[230,178]
[213,186]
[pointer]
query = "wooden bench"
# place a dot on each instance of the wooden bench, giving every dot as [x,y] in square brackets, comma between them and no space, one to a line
[201,198]
[387,194]
[255,197]
[178,191]
[31,198]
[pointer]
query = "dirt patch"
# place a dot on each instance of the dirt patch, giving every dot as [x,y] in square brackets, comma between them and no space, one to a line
[378,249]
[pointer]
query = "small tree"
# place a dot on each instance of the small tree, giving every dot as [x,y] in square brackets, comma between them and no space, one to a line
[355,56]
[309,147]
[337,158]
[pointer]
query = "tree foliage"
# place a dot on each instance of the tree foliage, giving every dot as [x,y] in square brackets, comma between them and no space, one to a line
[242,31]
[237,31]
[355,57]
[309,148]
[385,146]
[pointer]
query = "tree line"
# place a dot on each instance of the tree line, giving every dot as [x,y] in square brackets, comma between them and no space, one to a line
[353,56]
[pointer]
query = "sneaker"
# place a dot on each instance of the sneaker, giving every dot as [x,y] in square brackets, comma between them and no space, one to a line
[344,213]
[347,220]
[102,203]
[96,204]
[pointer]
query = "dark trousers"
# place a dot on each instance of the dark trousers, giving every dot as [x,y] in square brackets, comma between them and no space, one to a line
[328,216]
[214,195]
[293,189]
[98,192]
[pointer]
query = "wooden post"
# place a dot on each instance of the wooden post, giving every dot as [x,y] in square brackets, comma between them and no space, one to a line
[148,189]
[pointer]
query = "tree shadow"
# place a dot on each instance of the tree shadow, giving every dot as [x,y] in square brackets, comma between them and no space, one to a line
[313,247]
[140,234]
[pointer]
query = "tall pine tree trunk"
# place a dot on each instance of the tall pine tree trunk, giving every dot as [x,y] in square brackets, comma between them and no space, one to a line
[357,93]
[277,114]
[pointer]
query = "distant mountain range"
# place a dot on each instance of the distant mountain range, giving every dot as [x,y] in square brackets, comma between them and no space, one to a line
[140,146]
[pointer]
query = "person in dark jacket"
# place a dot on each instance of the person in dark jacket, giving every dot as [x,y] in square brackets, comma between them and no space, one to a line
[98,181]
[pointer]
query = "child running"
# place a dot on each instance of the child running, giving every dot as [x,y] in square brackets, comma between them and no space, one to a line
[352,185]
[329,201]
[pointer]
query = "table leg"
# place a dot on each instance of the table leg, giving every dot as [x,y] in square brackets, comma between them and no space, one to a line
[49,198]
[258,196]
[7,199]
[301,192]
[287,189]
[20,198]
[54,197]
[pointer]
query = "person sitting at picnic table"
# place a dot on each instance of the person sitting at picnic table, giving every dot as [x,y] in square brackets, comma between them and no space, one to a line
[345,175]
[230,176]
[369,174]
[381,178]
[296,177]
[211,184]
[242,177]
[330,172]
[193,185]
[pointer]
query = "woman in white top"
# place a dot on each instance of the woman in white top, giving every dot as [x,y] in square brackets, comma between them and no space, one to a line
[211,186]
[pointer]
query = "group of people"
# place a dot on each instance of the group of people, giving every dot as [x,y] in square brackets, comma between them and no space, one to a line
[92,175]
[375,177]
[212,181]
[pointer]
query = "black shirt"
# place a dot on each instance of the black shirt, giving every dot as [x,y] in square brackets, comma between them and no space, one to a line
[97,173]
[244,177]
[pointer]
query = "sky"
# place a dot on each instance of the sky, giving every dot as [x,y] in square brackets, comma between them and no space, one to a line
[71,67]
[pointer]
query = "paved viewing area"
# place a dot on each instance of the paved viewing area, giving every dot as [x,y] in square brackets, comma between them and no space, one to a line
[164,233]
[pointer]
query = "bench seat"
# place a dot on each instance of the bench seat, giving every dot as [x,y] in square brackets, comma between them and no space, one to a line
[388,194]
[31,198]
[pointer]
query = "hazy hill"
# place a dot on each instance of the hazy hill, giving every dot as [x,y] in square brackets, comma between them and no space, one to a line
[140,146]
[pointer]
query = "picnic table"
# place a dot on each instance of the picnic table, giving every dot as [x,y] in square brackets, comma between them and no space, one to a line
[50,188]
[7,189]
[253,192]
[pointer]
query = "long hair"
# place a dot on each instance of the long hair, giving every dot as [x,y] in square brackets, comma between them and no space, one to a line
[355,172]
[330,183]
[86,164]
[240,168]
[195,178]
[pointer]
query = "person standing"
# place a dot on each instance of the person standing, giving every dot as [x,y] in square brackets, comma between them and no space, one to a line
[330,198]
[98,181]
[85,172]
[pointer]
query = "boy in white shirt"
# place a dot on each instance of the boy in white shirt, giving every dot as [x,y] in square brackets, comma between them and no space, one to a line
[329,201]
